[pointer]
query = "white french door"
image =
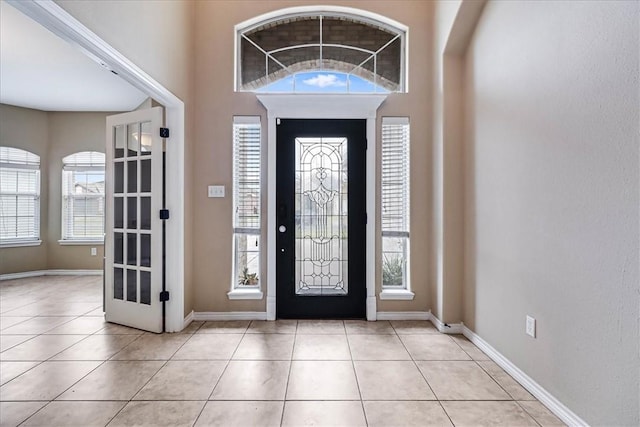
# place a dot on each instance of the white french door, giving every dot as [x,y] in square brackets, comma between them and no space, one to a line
[134,238]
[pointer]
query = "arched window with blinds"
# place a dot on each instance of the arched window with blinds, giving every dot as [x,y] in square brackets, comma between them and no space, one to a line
[19,197]
[83,197]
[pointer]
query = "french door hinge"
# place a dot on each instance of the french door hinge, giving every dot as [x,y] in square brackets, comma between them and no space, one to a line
[164,296]
[164,213]
[164,132]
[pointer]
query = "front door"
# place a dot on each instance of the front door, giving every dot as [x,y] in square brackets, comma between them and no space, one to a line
[321,218]
[133,240]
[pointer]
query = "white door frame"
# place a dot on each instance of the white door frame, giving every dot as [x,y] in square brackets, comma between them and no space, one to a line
[321,106]
[51,16]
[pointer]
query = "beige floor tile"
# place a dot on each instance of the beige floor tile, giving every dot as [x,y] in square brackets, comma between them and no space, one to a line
[209,347]
[96,347]
[183,380]
[391,380]
[320,327]
[474,352]
[113,329]
[327,414]
[541,414]
[8,341]
[224,327]
[407,327]
[36,325]
[119,380]
[13,413]
[243,413]
[433,347]
[321,347]
[45,381]
[152,347]
[80,325]
[10,370]
[7,321]
[405,413]
[461,381]
[158,413]
[41,347]
[366,327]
[265,347]
[322,380]
[284,326]
[489,414]
[193,327]
[377,347]
[75,414]
[511,386]
[252,380]
[55,308]
[97,312]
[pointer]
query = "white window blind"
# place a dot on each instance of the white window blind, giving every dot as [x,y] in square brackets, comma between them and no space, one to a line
[395,202]
[83,196]
[246,201]
[19,196]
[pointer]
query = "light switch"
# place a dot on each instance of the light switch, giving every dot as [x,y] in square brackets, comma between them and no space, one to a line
[215,191]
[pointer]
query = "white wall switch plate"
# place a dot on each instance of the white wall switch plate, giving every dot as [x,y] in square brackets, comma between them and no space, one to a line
[94,251]
[215,191]
[531,326]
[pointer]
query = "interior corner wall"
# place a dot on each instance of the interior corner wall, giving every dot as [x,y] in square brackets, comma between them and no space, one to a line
[552,197]
[70,132]
[217,103]
[27,129]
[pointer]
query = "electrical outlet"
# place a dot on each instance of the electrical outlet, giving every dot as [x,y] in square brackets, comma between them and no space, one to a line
[94,251]
[531,326]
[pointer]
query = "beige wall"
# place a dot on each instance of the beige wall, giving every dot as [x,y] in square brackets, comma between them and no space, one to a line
[28,130]
[68,134]
[217,103]
[552,197]
[51,135]
[157,36]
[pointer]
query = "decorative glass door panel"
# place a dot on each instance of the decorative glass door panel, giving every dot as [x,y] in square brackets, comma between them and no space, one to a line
[321,214]
[321,217]
[133,251]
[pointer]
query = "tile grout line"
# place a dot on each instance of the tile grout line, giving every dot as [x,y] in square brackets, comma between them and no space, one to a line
[355,374]
[286,387]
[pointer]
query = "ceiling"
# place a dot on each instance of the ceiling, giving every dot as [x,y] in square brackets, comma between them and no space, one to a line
[41,71]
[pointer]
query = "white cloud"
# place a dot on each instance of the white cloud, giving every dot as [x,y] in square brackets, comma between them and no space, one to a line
[325,80]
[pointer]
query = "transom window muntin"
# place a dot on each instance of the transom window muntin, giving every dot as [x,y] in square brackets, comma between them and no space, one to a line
[83,196]
[271,50]
[19,196]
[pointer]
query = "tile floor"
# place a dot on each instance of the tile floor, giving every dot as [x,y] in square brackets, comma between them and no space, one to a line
[61,364]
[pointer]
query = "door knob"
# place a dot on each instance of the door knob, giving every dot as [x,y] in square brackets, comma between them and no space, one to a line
[282,228]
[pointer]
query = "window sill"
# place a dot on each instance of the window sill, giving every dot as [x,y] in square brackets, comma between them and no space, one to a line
[396,294]
[21,244]
[245,294]
[81,242]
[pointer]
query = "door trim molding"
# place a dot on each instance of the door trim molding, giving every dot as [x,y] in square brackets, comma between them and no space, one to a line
[321,106]
[57,20]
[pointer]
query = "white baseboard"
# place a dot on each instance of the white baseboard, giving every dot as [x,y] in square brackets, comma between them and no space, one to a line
[403,315]
[37,273]
[230,315]
[188,320]
[445,328]
[546,398]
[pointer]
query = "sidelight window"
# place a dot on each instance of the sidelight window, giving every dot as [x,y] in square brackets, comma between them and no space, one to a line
[247,200]
[395,203]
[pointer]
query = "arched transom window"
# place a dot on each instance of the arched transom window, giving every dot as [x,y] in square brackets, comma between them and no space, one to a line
[321,51]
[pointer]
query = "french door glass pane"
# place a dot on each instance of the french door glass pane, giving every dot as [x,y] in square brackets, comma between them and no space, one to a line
[132,285]
[321,215]
[132,255]
[118,212]
[118,252]
[118,177]
[132,176]
[145,287]
[145,176]
[118,283]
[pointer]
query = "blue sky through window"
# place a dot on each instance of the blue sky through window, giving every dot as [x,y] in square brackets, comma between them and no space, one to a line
[323,82]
